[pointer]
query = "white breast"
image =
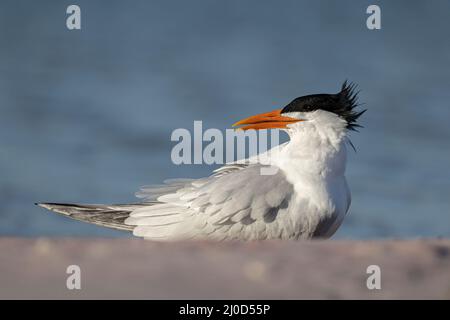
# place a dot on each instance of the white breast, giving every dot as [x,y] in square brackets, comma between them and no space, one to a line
[314,162]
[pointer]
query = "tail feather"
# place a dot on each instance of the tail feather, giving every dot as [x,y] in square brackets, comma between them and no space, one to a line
[111,216]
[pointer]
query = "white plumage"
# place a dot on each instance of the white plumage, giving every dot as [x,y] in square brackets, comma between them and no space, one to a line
[306,197]
[296,190]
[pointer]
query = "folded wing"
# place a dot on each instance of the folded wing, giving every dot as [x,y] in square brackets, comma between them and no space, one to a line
[236,202]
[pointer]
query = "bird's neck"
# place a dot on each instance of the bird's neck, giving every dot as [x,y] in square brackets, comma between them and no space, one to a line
[315,152]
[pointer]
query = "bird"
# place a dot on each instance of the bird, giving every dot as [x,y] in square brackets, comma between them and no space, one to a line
[305,197]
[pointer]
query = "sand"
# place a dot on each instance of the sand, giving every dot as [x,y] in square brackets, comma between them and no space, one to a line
[138,269]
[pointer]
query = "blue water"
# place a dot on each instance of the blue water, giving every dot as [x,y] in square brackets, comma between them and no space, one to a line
[86,116]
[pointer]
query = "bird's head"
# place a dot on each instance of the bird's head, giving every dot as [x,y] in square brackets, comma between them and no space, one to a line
[320,109]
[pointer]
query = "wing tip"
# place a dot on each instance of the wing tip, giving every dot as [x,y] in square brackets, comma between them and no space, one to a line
[56,207]
[45,205]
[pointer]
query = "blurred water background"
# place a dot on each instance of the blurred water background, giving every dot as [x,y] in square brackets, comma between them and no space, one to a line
[86,116]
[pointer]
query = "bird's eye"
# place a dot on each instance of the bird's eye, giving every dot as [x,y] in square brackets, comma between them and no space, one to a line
[308,107]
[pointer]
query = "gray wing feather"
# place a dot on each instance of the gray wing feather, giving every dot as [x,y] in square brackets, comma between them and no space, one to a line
[111,216]
[237,201]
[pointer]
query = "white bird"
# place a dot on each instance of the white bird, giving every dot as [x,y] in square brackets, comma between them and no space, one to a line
[306,196]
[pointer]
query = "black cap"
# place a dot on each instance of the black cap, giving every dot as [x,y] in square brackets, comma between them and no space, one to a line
[343,104]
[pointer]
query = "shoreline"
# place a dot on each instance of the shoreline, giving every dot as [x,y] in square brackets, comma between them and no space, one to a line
[118,268]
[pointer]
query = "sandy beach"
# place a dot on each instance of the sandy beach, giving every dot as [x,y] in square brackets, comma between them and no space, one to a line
[133,268]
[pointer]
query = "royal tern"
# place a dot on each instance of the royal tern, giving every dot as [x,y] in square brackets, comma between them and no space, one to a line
[306,197]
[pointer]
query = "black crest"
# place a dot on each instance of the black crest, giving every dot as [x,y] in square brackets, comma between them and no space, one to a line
[343,104]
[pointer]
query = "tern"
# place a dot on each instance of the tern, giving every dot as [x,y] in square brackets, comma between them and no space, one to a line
[306,197]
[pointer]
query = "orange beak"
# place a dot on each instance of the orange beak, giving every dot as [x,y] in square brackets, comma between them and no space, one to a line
[268,120]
